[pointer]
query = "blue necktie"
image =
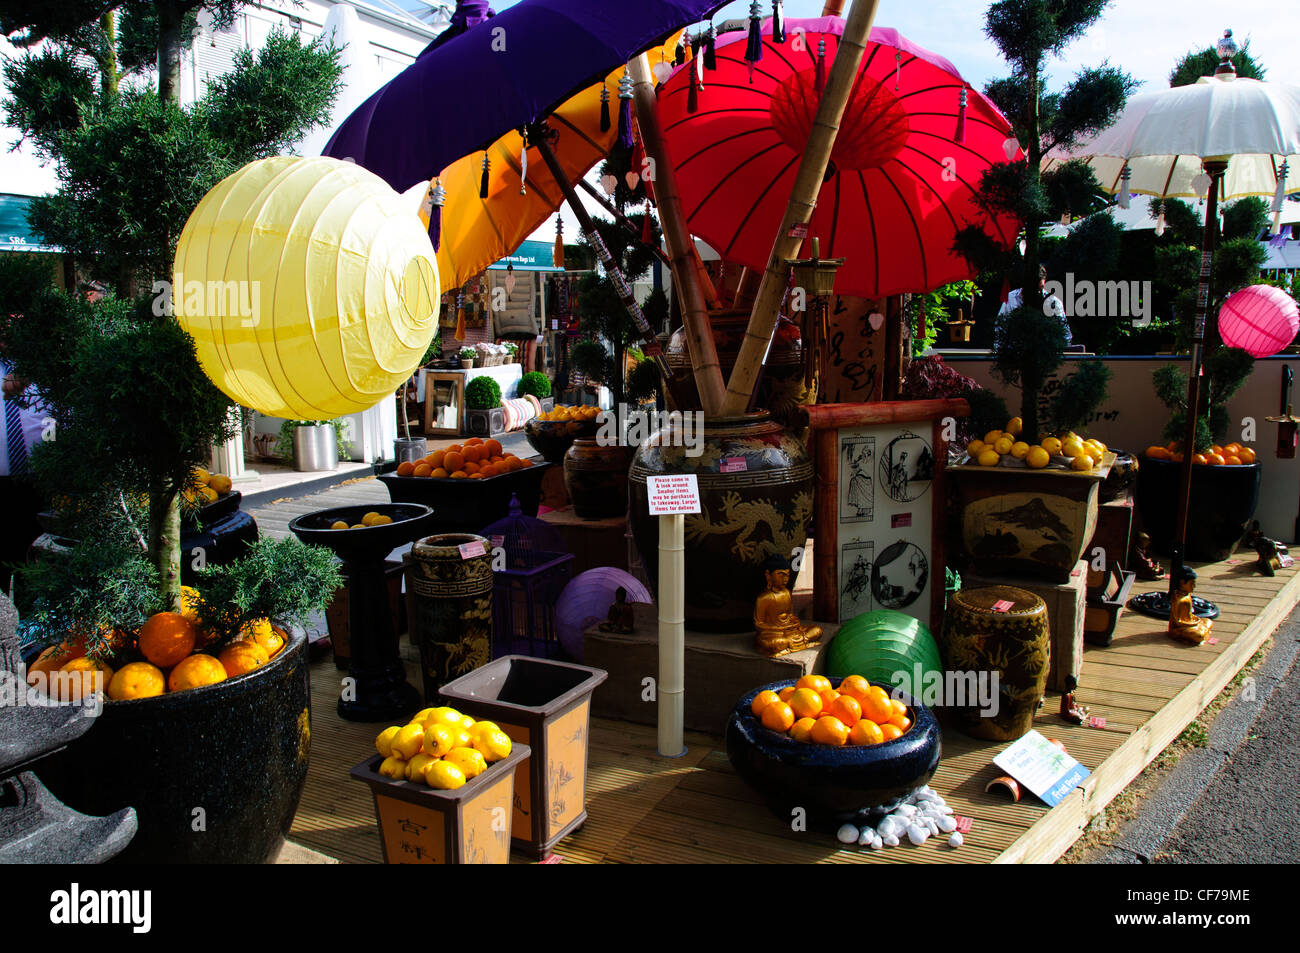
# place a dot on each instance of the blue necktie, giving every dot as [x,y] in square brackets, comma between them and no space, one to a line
[17,443]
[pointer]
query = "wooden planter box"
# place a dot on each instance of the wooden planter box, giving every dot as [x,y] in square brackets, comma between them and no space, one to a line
[421,825]
[545,706]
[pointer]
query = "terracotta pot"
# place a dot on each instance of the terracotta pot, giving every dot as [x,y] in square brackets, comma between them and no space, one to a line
[595,477]
[756,496]
[450,607]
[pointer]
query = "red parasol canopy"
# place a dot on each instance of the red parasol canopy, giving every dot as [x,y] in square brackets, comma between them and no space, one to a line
[904,171]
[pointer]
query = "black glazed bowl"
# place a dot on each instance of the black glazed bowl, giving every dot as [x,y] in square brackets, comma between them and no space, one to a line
[835,785]
[1222,505]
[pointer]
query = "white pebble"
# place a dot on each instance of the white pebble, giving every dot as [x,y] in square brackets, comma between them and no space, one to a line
[947,824]
[866,836]
[905,810]
[956,839]
[890,840]
[933,826]
[917,834]
[945,809]
[848,834]
[877,843]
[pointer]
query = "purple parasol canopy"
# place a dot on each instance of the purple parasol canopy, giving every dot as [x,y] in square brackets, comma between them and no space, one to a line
[501,74]
[468,13]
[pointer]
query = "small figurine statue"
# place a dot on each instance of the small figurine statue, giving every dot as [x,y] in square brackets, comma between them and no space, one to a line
[1145,565]
[1184,624]
[779,629]
[620,618]
[1071,710]
[1268,551]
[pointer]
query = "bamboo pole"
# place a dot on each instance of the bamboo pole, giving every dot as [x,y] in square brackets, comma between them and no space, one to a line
[625,222]
[833,8]
[695,312]
[803,199]
[706,283]
[671,691]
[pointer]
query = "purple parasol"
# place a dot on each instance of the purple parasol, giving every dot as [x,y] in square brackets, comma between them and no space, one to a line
[499,75]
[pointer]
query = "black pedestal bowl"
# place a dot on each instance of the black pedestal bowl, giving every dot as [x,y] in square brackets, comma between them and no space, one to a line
[853,784]
[376,688]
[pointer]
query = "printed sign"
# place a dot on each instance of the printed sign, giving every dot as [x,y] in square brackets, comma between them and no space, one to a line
[471,549]
[1003,605]
[734,465]
[674,493]
[799,230]
[900,520]
[1042,767]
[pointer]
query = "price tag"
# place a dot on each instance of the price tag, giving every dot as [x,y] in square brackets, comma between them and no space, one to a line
[1212,640]
[551,859]
[799,230]
[1096,722]
[1003,605]
[674,493]
[964,824]
[734,465]
[471,549]
[900,520]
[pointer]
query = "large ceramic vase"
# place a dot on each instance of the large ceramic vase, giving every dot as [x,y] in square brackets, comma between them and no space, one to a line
[450,611]
[214,773]
[1222,505]
[595,477]
[756,498]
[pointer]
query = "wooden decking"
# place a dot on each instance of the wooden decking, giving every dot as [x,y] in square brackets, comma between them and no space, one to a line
[647,809]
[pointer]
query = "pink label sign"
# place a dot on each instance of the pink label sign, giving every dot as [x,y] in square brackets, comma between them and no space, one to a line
[1096,722]
[799,230]
[734,465]
[964,824]
[900,520]
[471,549]
[1003,605]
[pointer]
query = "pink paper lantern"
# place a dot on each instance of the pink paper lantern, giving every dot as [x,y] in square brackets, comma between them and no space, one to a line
[1261,320]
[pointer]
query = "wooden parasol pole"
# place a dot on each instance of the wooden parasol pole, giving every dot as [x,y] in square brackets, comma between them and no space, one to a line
[803,199]
[833,8]
[681,247]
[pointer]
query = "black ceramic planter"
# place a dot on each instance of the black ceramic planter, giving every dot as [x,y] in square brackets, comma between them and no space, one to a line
[833,784]
[1222,505]
[213,773]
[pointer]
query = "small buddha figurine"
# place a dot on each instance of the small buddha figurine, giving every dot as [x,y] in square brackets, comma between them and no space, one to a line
[1184,624]
[620,618]
[779,630]
[1144,564]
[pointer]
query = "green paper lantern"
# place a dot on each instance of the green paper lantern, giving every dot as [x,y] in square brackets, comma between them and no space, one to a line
[885,646]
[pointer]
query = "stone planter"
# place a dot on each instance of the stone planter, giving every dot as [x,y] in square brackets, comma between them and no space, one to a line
[412,450]
[756,495]
[1222,505]
[315,448]
[450,610]
[485,423]
[237,751]
[595,478]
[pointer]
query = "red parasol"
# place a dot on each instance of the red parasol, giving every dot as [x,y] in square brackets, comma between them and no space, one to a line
[904,172]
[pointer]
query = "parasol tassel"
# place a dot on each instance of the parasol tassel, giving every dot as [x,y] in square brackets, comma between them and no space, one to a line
[459,333]
[754,48]
[679,55]
[778,22]
[557,253]
[523,166]
[1279,197]
[1160,220]
[819,78]
[647,229]
[604,110]
[898,69]
[961,118]
[693,95]
[438,195]
[1124,177]
[625,112]
[483,183]
[710,50]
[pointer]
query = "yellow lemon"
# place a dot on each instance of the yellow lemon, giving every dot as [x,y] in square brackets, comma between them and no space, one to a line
[992,436]
[989,458]
[369,518]
[1019,449]
[394,768]
[1072,448]
[467,722]
[1037,458]
[338,524]
[974,448]
[481,727]
[381,520]
[471,762]
[461,738]
[1015,425]
[1051,445]
[1004,445]
[201,476]
[493,745]
[416,767]
[444,716]
[407,742]
[421,716]
[1081,462]
[438,740]
[384,743]
[1095,448]
[444,775]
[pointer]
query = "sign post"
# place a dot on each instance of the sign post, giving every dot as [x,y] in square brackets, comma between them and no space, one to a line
[671,497]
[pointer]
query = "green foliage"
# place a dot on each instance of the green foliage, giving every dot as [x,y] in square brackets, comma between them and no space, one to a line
[1245,218]
[937,305]
[1073,187]
[1030,346]
[433,352]
[656,309]
[591,359]
[643,382]
[1092,249]
[1182,225]
[1080,395]
[283,580]
[1198,63]
[482,393]
[988,411]
[48,93]
[1226,370]
[535,383]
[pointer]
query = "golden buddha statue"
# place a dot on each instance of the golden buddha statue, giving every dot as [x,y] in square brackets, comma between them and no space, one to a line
[1184,624]
[779,629]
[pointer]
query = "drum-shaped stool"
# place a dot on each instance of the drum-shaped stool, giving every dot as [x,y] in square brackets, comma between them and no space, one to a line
[996,632]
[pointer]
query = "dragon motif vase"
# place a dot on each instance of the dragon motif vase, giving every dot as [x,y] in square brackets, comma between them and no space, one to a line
[1000,635]
[756,500]
[449,583]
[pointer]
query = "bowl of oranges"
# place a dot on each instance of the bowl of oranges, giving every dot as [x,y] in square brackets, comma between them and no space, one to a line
[553,432]
[1225,492]
[841,749]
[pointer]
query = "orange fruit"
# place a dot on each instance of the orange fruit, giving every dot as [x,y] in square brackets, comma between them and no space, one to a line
[785,693]
[474,442]
[470,467]
[1216,449]
[455,448]
[1232,460]
[762,700]
[1199,459]
[167,638]
[828,698]
[1176,457]
[829,730]
[855,685]
[897,705]
[440,473]
[801,730]
[900,721]
[195,672]
[805,703]
[1234,448]
[1247,455]
[242,657]
[81,677]
[405,468]
[459,475]
[476,476]
[264,634]
[423,470]
[435,459]
[137,680]
[778,717]
[891,731]
[847,709]
[1214,459]
[453,461]
[493,447]
[876,706]
[866,732]
[487,471]
[525,464]
[1157,453]
[818,683]
[51,660]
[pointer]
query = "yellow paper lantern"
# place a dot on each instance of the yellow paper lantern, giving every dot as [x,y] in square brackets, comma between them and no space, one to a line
[309,287]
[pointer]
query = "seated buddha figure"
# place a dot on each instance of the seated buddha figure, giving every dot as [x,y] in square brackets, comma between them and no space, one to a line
[1184,624]
[779,630]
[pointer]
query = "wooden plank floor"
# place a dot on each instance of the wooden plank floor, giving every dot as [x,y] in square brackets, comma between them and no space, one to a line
[647,809]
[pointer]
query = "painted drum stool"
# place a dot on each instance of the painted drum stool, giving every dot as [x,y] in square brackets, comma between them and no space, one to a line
[449,582]
[1002,631]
